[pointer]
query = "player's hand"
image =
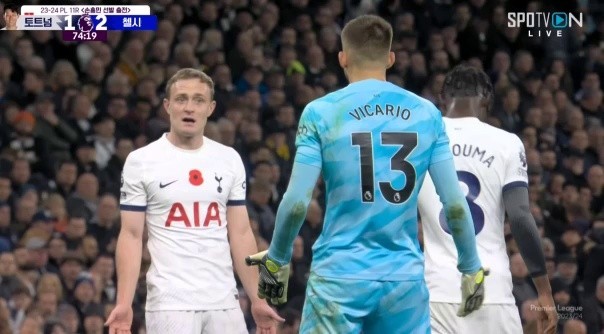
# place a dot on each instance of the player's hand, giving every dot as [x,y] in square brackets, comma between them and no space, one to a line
[120,320]
[265,317]
[548,317]
[273,278]
[472,292]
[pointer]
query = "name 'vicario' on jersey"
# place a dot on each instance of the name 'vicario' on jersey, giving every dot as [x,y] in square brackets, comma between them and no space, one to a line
[471,151]
[376,110]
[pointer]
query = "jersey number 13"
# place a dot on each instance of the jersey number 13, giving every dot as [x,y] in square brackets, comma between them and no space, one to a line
[408,141]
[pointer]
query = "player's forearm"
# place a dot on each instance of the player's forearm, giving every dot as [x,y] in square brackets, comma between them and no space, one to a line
[292,212]
[460,223]
[457,214]
[542,285]
[524,230]
[290,217]
[128,255]
[242,246]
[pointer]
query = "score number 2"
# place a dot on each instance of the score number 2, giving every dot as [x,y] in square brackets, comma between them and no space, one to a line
[408,141]
[102,25]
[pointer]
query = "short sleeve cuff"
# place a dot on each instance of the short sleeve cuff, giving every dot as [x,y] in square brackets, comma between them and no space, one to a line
[236,202]
[130,207]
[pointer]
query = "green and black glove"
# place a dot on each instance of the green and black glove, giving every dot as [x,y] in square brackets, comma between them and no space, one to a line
[274,278]
[472,292]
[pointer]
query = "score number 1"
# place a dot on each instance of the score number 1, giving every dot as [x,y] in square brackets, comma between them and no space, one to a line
[102,25]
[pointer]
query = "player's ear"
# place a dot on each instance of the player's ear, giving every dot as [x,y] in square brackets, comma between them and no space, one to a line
[391,59]
[167,106]
[212,108]
[485,106]
[342,59]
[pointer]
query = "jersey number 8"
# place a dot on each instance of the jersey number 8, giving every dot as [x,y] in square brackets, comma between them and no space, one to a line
[473,191]
[408,141]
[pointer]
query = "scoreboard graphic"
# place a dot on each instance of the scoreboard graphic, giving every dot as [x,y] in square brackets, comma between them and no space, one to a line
[87,23]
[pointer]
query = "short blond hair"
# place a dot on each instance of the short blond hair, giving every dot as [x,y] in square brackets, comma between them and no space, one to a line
[190,73]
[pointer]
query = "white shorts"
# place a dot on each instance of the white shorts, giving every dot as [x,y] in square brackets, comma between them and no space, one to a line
[196,322]
[490,318]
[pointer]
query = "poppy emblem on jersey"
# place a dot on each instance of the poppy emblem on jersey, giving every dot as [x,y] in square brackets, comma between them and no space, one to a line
[195,177]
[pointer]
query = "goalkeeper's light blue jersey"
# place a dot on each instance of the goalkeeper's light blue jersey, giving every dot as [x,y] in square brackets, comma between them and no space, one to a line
[374,142]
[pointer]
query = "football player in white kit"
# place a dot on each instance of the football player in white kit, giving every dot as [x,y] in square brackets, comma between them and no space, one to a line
[190,192]
[491,165]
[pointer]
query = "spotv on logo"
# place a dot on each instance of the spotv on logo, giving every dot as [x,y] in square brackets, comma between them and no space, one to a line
[546,24]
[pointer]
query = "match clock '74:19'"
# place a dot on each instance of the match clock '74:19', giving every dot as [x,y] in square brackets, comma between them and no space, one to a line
[84,36]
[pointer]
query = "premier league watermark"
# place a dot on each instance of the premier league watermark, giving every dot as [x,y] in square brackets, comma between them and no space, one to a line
[565,312]
[542,24]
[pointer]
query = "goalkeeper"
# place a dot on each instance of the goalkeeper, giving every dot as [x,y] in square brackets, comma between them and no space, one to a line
[373,143]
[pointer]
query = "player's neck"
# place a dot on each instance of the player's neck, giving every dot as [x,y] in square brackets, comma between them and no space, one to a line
[460,113]
[355,75]
[192,143]
[463,107]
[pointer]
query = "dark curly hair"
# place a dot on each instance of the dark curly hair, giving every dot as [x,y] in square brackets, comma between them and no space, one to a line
[467,81]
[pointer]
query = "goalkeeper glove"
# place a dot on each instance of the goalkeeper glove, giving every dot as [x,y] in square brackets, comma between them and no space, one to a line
[273,278]
[472,292]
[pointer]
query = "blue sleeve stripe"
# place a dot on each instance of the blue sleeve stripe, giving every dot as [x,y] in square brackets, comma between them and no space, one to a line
[440,157]
[137,208]
[514,184]
[307,159]
[236,202]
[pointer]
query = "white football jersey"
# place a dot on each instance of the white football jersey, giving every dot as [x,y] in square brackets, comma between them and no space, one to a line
[185,194]
[488,161]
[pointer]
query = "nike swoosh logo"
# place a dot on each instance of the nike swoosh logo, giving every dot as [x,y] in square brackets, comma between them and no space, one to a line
[161,186]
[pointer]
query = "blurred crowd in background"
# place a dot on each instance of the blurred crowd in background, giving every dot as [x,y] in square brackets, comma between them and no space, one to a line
[71,113]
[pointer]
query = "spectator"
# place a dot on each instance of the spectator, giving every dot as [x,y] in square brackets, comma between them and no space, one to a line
[84,292]
[26,144]
[68,316]
[76,230]
[47,303]
[258,207]
[57,247]
[53,129]
[522,290]
[103,136]
[84,200]
[71,267]
[8,274]
[19,301]
[50,283]
[574,326]
[312,227]
[65,178]
[509,114]
[104,225]
[131,62]
[93,320]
